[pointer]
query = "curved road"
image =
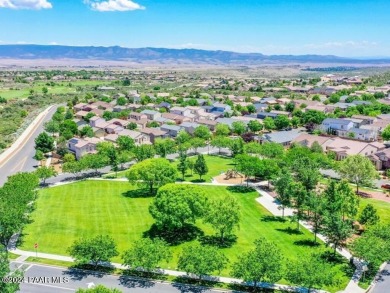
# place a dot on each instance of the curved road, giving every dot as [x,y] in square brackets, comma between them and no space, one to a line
[22,159]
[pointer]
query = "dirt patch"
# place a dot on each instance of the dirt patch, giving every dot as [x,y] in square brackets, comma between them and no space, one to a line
[56,164]
[384,196]
[222,179]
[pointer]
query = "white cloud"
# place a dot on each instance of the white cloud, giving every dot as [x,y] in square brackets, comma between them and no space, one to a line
[26,4]
[113,5]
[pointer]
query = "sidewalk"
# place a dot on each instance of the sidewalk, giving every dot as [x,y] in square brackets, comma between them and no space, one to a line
[19,143]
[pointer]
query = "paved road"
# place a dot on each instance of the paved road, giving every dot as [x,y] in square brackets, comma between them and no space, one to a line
[383,281]
[22,160]
[61,280]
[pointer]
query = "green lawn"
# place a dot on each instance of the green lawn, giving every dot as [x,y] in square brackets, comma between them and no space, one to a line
[216,165]
[382,207]
[88,208]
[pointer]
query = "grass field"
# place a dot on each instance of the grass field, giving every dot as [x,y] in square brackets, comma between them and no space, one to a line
[216,165]
[84,209]
[382,207]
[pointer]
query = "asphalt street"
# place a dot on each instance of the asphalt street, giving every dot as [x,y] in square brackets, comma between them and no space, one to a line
[383,281]
[48,279]
[22,159]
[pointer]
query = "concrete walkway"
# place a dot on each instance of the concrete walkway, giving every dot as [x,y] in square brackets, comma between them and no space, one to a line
[25,254]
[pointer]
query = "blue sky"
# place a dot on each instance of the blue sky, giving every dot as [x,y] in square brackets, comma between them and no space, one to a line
[344,27]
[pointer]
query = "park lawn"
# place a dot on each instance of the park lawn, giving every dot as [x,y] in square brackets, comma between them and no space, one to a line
[382,207]
[85,209]
[215,164]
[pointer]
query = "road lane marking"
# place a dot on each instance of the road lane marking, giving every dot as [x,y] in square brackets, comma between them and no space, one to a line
[29,267]
[52,286]
[22,162]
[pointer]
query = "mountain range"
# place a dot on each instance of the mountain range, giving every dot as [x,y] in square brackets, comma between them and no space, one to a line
[165,56]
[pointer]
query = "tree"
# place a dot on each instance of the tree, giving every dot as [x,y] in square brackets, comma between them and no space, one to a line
[261,264]
[93,250]
[247,165]
[238,127]
[88,117]
[223,215]
[132,126]
[386,133]
[269,169]
[310,272]
[358,169]
[182,137]
[236,146]
[282,190]
[255,126]
[94,161]
[202,132]
[269,123]
[52,127]
[272,150]
[146,254]
[200,166]
[45,173]
[201,260]
[299,195]
[73,167]
[183,164]
[290,107]
[222,130]
[121,101]
[281,122]
[220,142]
[196,143]
[152,173]
[87,131]
[306,172]
[143,152]
[45,90]
[68,158]
[8,287]
[39,156]
[125,143]
[336,230]
[68,126]
[44,143]
[177,205]
[164,146]
[99,289]
[369,215]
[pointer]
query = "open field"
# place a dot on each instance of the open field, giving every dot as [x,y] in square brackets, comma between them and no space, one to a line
[382,207]
[87,208]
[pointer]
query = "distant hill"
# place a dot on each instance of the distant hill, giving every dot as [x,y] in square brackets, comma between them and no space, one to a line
[166,56]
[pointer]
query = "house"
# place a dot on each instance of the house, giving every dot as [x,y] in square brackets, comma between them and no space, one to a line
[172,130]
[81,114]
[211,124]
[189,126]
[366,120]
[180,111]
[178,118]
[79,107]
[82,146]
[118,108]
[151,114]
[334,124]
[164,105]
[137,136]
[113,128]
[260,107]
[154,133]
[137,116]
[382,158]
[218,107]
[97,122]
[281,137]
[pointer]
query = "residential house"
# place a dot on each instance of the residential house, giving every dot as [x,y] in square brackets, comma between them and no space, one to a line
[138,137]
[82,146]
[211,124]
[180,111]
[172,130]
[154,133]
[151,114]
[179,119]
[189,127]
[281,137]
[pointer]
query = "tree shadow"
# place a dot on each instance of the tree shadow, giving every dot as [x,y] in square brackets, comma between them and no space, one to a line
[187,233]
[307,242]
[129,281]
[290,231]
[329,256]
[228,241]
[138,193]
[80,272]
[240,189]
[188,285]
[198,181]
[273,219]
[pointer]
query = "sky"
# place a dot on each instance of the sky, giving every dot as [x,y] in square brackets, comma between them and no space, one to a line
[344,27]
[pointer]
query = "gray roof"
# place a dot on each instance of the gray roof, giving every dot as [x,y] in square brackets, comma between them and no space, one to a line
[336,121]
[282,136]
[170,127]
[189,124]
[359,131]
[151,112]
